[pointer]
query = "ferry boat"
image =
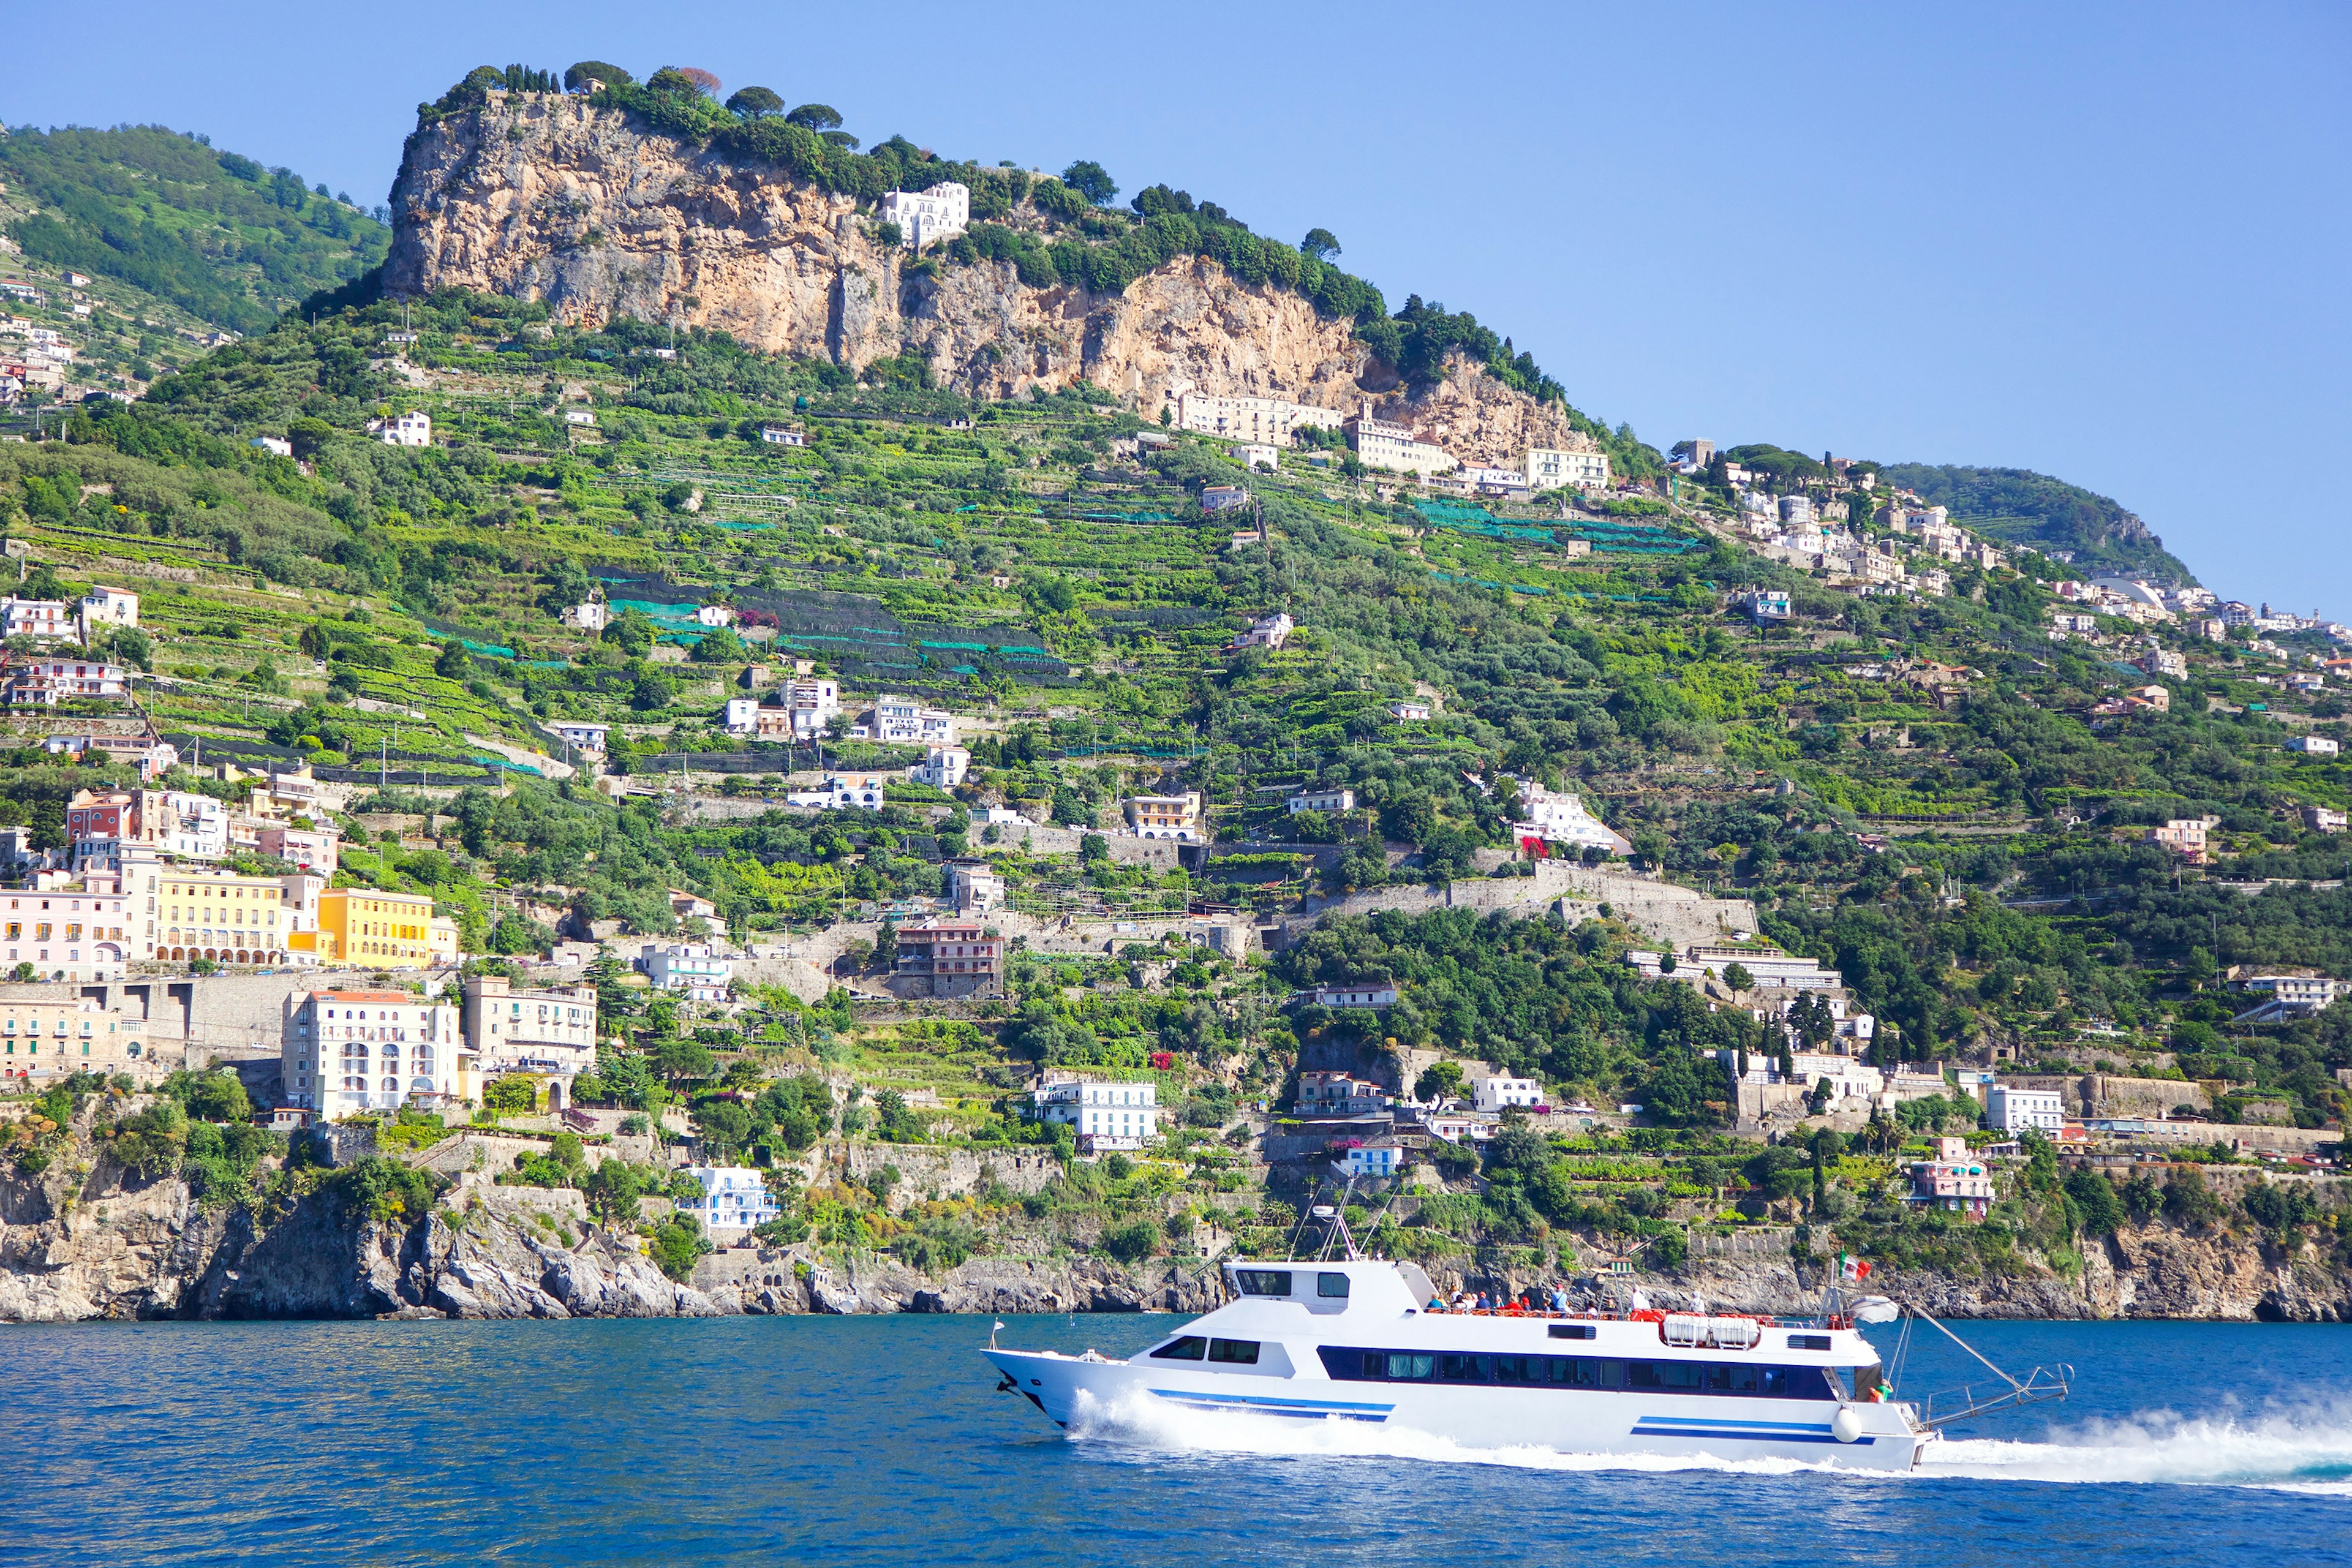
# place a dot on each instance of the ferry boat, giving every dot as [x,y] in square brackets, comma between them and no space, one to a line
[1369,1340]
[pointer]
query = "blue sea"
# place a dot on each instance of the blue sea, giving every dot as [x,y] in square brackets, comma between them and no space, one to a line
[881,1440]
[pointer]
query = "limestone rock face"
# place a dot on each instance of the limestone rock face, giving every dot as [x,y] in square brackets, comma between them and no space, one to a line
[547,197]
[798,1280]
[87,1239]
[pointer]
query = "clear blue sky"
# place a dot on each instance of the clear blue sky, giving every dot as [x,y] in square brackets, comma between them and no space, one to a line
[2106,242]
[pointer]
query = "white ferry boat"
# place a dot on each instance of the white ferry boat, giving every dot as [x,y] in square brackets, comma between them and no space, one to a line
[1367,1340]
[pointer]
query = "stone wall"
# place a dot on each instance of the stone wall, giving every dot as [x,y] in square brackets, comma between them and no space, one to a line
[1665,911]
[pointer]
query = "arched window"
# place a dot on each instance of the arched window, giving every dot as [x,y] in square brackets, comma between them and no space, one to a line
[391,1086]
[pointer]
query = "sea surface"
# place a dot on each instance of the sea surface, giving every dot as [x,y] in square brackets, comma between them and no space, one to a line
[881,1440]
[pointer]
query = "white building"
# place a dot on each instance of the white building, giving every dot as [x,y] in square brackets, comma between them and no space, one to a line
[109,608]
[715,615]
[590,615]
[742,715]
[2294,995]
[1796,510]
[1380,444]
[276,446]
[1495,1093]
[943,768]
[972,888]
[689,969]
[903,721]
[2313,745]
[1559,817]
[47,619]
[1375,1161]
[1768,968]
[1550,468]
[1103,1115]
[581,735]
[403,430]
[1258,454]
[813,703]
[1267,631]
[734,1198]
[45,682]
[1374,994]
[1481,478]
[844,792]
[1322,800]
[1258,423]
[579,417]
[783,436]
[942,211]
[343,1052]
[2008,1109]
[1409,712]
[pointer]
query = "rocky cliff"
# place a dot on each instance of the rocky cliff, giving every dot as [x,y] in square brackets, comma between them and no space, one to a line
[87,1239]
[551,199]
[2155,1271]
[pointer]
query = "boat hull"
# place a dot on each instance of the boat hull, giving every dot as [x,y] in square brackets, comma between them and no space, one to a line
[1688,1427]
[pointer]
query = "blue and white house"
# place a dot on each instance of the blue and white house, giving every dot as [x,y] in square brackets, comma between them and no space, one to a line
[734,1199]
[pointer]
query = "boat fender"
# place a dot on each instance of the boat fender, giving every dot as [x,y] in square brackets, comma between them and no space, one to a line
[1846,1424]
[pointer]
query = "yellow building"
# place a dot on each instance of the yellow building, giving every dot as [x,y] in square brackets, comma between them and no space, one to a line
[195,912]
[371,929]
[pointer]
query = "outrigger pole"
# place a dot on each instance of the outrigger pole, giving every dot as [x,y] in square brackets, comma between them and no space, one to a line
[2043,1386]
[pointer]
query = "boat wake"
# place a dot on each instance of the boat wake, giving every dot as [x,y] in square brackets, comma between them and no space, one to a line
[2307,1449]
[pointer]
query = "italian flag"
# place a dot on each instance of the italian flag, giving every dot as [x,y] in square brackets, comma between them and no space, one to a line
[1854,1267]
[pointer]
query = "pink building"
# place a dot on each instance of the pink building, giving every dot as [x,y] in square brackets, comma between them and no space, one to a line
[1953,1180]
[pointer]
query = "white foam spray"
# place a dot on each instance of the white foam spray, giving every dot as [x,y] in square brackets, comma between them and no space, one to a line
[2306,1449]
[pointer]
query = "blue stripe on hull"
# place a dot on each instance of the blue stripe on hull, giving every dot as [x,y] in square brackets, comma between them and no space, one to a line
[1262,1404]
[1647,1431]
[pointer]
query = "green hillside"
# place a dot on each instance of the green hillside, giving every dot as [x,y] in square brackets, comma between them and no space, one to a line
[2027,508]
[1929,793]
[215,234]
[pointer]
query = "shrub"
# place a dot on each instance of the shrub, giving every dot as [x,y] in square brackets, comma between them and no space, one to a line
[1131,1243]
[677,1242]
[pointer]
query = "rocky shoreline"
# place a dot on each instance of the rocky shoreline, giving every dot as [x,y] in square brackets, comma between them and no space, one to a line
[89,1240]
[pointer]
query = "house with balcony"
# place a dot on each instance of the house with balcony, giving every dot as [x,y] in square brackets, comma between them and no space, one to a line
[1953,1180]
[949,957]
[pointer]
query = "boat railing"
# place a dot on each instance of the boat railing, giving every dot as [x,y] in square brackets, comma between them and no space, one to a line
[1637,1315]
[2044,1384]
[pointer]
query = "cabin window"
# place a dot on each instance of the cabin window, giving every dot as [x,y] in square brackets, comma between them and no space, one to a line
[1240,1352]
[1573,1331]
[1191,1347]
[1411,1367]
[1515,1368]
[1263,1281]
[1808,1342]
[1332,1285]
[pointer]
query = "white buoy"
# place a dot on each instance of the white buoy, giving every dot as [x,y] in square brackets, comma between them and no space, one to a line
[1846,1424]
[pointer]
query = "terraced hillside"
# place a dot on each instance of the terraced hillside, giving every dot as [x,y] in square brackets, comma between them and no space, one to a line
[1931,794]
